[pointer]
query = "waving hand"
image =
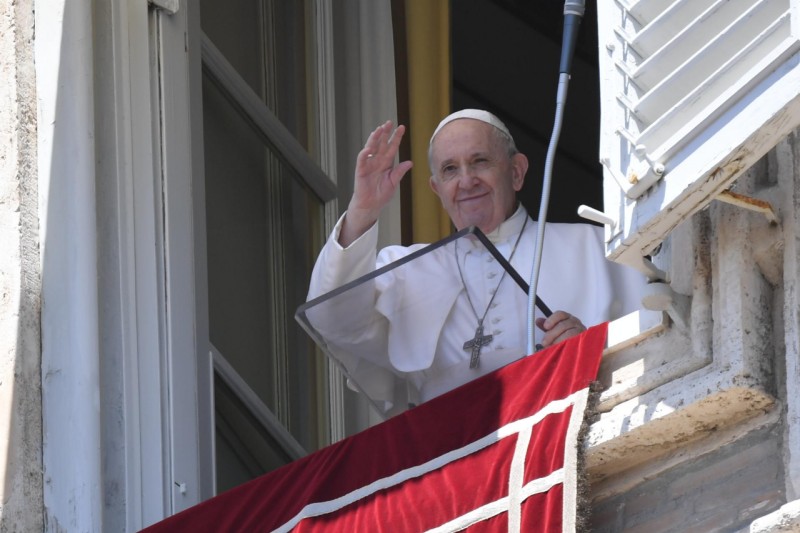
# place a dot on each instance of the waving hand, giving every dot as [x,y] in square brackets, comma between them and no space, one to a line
[376,180]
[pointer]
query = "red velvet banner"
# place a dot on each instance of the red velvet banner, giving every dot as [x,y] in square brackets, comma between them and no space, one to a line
[497,454]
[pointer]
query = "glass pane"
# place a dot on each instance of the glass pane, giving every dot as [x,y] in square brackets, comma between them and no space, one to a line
[244,449]
[263,229]
[236,29]
[365,325]
[265,41]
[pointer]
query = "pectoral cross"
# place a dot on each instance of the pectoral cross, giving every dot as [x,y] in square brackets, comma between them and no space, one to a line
[475,344]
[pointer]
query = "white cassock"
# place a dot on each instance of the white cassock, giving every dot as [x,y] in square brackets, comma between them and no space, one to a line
[426,346]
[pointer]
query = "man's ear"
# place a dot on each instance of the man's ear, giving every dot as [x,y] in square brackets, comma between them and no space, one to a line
[434,185]
[519,164]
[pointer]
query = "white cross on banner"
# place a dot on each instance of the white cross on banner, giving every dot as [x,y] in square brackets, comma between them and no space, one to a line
[496,454]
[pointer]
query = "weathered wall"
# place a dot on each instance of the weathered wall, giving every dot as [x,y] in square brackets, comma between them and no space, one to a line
[699,424]
[724,490]
[20,352]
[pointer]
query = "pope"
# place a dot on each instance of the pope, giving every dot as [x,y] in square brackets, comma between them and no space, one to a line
[476,171]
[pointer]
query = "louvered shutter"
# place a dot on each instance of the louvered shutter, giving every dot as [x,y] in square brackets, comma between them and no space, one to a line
[692,93]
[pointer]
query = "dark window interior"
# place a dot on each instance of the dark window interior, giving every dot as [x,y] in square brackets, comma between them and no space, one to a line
[506,55]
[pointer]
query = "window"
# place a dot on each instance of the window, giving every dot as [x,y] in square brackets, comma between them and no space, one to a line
[244,126]
[264,221]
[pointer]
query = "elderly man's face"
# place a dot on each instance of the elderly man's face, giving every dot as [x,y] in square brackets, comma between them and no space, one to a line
[474,176]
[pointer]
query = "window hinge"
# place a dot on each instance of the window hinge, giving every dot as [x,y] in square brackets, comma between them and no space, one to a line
[170,6]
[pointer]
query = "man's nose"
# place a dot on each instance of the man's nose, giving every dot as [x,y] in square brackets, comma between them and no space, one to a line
[466,177]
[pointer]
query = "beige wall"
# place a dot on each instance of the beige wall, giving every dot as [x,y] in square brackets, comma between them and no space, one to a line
[20,352]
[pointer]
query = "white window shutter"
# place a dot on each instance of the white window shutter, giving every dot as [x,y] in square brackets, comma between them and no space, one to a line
[692,93]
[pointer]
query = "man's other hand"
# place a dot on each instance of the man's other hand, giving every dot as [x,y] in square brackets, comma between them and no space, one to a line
[558,327]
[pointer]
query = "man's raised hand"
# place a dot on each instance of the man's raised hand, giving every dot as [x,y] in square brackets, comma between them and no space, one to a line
[376,180]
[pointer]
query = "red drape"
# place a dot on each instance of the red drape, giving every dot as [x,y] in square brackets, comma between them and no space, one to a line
[497,451]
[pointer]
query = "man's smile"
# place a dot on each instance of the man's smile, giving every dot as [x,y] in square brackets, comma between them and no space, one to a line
[474,197]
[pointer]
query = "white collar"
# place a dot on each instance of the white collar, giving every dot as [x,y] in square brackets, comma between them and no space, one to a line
[510,227]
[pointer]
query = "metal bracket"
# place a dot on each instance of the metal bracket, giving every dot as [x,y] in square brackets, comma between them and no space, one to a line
[590,213]
[749,203]
[660,296]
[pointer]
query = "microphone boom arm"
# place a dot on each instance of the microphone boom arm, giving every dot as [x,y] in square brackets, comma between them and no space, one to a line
[573,12]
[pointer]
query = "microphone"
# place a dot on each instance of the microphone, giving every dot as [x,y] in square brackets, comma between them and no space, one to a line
[573,13]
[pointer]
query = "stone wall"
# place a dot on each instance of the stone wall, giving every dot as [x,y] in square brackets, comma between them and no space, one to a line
[20,347]
[698,424]
[723,490]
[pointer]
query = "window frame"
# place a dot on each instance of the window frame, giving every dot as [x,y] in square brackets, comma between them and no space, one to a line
[645,200]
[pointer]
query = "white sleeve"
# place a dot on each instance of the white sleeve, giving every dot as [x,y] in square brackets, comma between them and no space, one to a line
[628,285]
[577,278]
[336,266]
[362,352]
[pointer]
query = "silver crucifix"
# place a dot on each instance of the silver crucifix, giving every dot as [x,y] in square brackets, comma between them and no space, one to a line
[475,344]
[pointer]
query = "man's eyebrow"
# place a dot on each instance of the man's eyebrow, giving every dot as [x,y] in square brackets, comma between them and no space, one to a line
[445,162]
[473,155]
